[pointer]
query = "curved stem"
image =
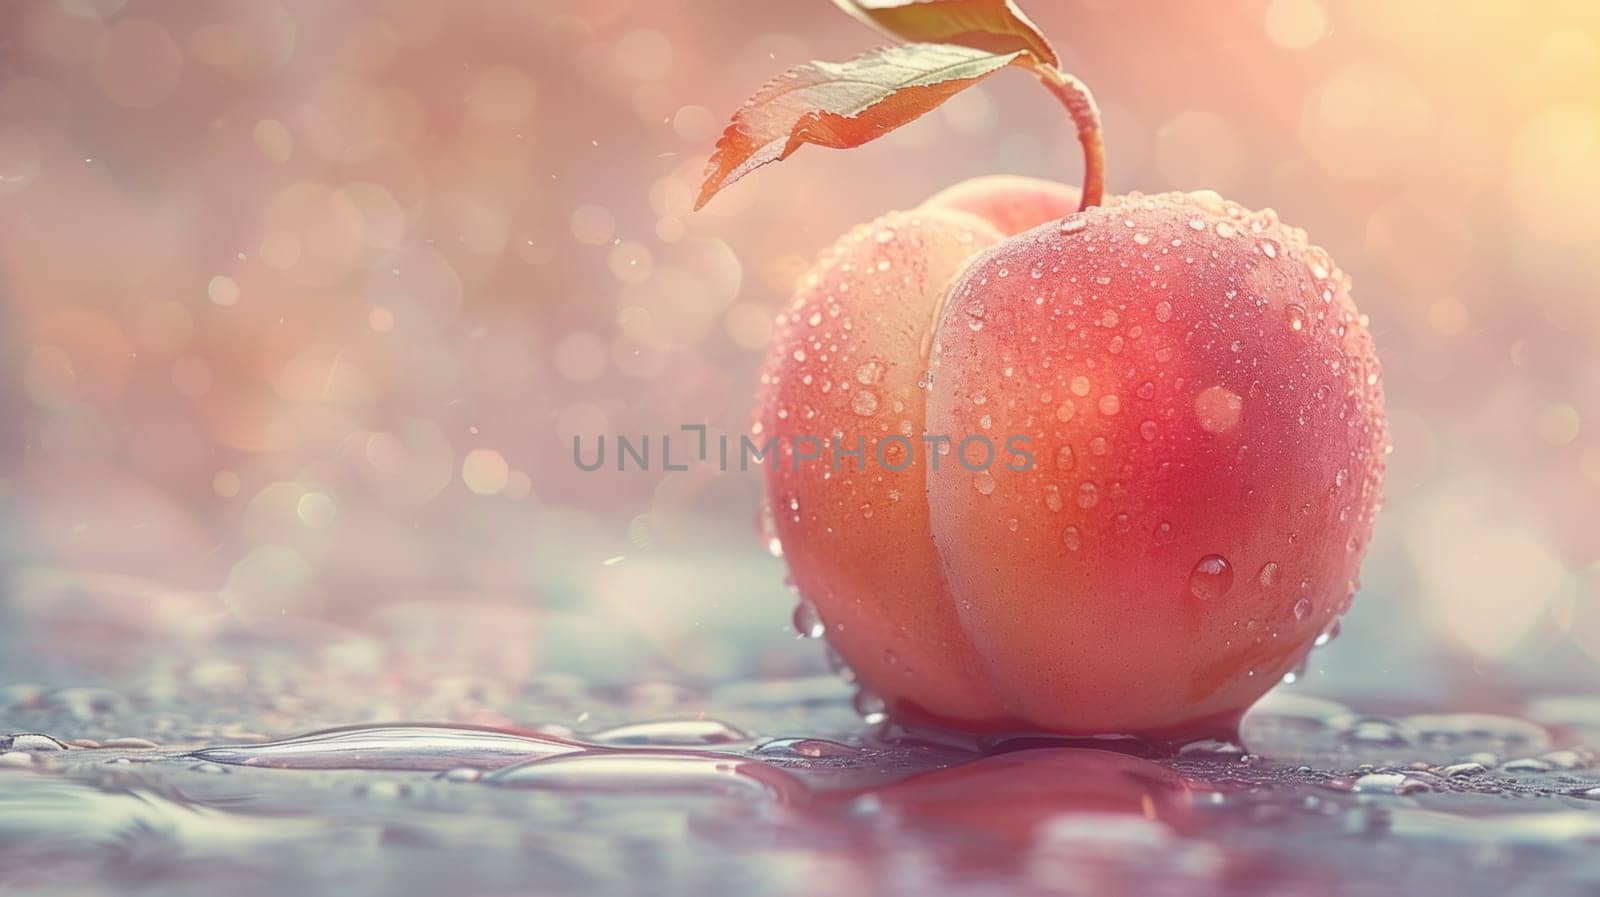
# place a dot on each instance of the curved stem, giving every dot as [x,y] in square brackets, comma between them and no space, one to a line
[1079,102]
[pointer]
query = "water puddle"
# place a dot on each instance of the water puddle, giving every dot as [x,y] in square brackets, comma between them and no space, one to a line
[399,747]
[776,785]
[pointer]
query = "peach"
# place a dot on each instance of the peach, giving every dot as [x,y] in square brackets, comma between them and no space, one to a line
[1202,401]
[1199,399]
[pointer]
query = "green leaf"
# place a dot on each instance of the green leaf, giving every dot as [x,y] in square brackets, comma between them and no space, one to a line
[844,104]
[997,26]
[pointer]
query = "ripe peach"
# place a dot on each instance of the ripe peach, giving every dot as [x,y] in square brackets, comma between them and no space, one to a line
[1011,795]
[1200,401]
[1203,406]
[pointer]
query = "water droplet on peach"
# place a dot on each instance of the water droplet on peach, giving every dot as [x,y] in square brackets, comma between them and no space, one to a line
[1071,538]
[1297,318]
[807,621]
[1052,497]
[1218,409]
[870,707]
[1088,495]
[1211,577]
[1268,577]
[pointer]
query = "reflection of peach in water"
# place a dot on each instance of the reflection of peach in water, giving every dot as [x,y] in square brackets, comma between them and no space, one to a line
[1011,795]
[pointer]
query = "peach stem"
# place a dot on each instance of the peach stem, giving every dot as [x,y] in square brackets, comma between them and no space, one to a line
[1075,96]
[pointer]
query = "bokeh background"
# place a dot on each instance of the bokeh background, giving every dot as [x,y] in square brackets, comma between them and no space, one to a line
[303,303]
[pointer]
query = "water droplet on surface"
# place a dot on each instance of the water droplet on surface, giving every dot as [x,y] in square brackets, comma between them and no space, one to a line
[864,403]
[670,733]
[410,747]
[806,749]
[35,742]
[1388,783]
[1211,577]
[869,373]
[1377,730]
[1302,608]
[653,772]
[1525,764]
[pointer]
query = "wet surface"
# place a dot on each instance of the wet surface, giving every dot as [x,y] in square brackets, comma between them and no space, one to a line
[315,760]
